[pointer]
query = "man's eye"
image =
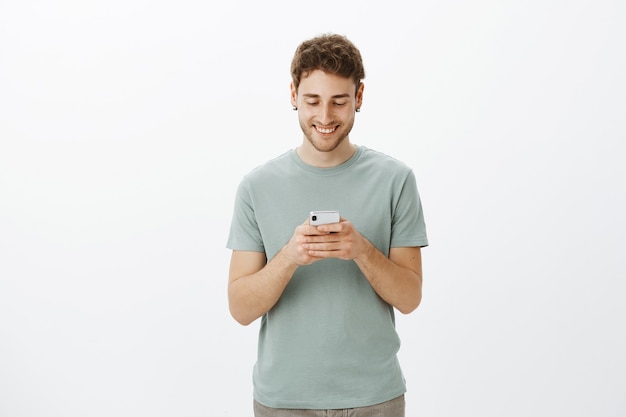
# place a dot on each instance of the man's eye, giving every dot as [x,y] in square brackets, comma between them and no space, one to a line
[340,103]
[312,103]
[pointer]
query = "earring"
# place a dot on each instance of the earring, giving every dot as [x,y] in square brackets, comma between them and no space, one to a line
[295,108]
[358,110]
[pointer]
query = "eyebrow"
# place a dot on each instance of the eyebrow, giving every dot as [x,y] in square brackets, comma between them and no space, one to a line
[335,96]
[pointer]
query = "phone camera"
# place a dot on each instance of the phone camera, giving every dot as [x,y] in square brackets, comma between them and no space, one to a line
[314,218]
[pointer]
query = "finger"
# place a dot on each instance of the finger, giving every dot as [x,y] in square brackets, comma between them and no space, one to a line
[323,238]
[330,228]
[324,254]
[322,246]
[315,231]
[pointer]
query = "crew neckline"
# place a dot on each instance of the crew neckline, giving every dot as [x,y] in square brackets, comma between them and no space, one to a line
[328,170]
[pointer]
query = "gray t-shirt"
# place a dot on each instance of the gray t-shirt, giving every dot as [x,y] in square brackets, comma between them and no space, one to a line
[330,341]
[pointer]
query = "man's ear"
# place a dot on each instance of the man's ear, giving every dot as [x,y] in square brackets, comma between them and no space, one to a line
[359,96]
[294,95]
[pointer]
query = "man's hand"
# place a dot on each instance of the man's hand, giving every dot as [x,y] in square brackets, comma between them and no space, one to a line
[297,249]
[337,240]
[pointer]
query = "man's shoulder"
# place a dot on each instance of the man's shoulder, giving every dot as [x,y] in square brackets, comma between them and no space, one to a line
[384,160]
[272,164]
[270,168]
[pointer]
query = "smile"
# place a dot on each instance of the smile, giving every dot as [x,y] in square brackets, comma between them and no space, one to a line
[326,130]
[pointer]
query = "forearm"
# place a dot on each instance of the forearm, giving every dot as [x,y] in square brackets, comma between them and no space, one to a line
[397,285]
[251,296]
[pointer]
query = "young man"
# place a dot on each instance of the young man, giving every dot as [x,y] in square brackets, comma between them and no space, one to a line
[326,294]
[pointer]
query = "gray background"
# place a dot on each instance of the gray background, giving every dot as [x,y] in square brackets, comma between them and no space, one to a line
[125,127]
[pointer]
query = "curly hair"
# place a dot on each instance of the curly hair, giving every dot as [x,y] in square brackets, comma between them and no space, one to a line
[331,53]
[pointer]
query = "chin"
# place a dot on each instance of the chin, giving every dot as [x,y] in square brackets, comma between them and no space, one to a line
[326,145]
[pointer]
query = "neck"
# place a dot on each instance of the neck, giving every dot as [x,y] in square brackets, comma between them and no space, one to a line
[329,159]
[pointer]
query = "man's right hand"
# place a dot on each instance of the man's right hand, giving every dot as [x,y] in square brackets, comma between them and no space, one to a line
[296,250]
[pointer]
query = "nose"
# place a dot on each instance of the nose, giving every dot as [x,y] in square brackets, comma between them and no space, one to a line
[326,114]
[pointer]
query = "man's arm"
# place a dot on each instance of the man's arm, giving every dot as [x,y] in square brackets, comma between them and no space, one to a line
[255,285]
[397,279]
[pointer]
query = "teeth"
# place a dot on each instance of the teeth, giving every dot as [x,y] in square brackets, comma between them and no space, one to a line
[328,130]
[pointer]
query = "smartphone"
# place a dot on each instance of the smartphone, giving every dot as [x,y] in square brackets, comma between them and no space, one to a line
[323,217]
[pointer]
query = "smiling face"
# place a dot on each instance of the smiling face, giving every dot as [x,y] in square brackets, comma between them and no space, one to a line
[326,107]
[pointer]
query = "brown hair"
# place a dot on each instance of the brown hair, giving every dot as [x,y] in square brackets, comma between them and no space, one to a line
[331,53]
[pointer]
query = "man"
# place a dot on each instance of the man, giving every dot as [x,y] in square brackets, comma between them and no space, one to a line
[326,294]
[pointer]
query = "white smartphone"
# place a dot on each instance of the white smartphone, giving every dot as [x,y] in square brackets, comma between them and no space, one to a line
[323,217]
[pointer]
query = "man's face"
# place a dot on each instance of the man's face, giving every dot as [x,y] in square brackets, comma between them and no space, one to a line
[326,106]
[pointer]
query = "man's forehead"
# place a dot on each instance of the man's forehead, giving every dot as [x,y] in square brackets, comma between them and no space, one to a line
[313,95]
[317,83]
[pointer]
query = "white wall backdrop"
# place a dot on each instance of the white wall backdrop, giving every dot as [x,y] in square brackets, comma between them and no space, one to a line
[125,127]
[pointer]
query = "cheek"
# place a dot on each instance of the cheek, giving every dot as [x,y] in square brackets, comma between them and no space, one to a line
[348,115]
[304,117]
[305,112]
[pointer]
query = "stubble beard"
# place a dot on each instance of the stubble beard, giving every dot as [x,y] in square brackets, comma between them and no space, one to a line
[324,145]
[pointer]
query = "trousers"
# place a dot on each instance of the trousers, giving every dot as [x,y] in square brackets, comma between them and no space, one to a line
[391,408]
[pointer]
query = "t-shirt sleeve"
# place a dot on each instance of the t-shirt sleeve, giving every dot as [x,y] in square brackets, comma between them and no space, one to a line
[244,231]
[408,225]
